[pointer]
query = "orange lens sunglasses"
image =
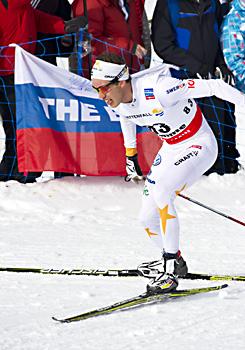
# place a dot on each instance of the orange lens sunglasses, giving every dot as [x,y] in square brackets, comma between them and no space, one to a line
[104,88]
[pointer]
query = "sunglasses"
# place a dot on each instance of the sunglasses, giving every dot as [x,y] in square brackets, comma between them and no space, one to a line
[105,88]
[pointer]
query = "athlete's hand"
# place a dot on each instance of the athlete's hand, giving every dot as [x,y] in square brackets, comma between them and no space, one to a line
[133,169]
[222,72]
[203,72]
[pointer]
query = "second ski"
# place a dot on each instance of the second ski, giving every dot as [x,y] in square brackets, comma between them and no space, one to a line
[139,300]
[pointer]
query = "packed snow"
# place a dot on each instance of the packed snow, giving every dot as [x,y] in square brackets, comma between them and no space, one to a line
[92,222]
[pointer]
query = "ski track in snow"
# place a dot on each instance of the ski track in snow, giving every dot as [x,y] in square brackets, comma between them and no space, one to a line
[92,222]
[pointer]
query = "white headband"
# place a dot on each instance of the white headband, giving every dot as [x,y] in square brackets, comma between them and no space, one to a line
[109,71]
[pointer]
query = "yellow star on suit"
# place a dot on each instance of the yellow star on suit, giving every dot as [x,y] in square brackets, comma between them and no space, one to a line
[150,233]
[164,215]
[182,189]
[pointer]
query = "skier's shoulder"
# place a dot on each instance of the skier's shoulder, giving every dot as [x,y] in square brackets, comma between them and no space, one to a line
[152,74]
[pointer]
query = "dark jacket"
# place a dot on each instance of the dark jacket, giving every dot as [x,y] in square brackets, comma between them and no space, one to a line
[60,8]
[189,36]
[49,47]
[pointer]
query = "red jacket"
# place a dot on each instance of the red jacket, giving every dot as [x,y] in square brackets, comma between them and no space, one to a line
[20,24]
[107,23]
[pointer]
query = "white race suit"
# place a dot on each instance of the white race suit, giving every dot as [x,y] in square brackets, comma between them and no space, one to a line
[167,107]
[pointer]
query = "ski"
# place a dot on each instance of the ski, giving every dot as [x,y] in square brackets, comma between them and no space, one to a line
[116,273]
[139,300]
[210,277]
[80,272]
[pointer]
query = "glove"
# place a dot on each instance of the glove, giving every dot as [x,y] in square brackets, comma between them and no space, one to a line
[206,76]
[74,24]
[204,72]
[133,169]
[222,72]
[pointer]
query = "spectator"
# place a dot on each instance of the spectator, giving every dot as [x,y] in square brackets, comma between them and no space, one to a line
[114,25]
[233,41]
[186,33]
[19,23]
[49,49]
[144,29]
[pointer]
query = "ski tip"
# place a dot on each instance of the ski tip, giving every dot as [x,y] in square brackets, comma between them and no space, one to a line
[58,320]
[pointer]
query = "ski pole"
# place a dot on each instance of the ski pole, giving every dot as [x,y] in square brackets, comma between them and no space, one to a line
[213,210]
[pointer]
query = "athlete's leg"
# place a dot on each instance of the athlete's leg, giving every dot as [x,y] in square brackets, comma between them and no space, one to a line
[149,217]
[180,169]
[173,170]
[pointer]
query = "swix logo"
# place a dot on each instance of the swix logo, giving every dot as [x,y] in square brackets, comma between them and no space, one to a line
[148,179]
[175,88]
[73,110]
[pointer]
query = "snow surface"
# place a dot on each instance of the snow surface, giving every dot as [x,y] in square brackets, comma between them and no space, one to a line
[91,222]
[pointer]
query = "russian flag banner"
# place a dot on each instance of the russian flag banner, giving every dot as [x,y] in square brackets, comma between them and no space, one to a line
[63,126]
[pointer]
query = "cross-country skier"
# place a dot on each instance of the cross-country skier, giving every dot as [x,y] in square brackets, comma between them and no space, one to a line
[167,107]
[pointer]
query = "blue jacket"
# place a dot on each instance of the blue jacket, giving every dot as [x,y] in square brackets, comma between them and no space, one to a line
[233,42]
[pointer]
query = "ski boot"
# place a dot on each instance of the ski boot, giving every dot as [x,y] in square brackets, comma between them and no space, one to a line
[169,268]
[153,268]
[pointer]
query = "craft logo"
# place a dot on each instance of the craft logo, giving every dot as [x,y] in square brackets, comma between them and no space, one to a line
[188,156]
[149,95]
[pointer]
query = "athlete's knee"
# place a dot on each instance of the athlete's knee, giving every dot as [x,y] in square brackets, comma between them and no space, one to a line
[144,219]
[149,219]
[163,196]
